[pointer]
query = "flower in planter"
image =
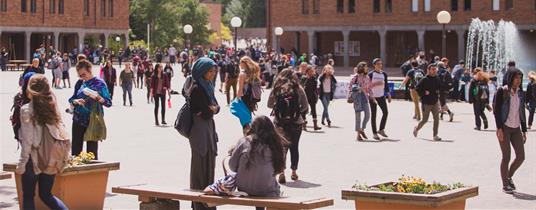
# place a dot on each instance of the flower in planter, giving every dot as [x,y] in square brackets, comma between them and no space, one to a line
[81,159]
[408,184]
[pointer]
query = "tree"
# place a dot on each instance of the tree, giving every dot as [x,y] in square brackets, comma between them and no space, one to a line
[167,18]
[252,12]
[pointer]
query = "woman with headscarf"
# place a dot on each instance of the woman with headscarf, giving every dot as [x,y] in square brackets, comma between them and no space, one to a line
[203,136]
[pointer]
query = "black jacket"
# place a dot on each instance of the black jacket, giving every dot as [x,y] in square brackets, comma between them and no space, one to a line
[432,85]
[333,86]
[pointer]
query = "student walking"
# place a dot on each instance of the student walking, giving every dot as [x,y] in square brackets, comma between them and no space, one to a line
[65,67]
[140,72]
[159,88]
[479,97]
[230,70]
[310,85]
[380,89]
[509,112]
[428,89]
[249,86]
[126,78]
[531,97]
[413,77]
[360,91]
[90,97]
[288,101]
[110,77]
[328,83]
[148,75]
[41,124]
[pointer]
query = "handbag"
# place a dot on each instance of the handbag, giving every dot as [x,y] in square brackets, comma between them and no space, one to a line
[96,130]
[241,111]
[184,121]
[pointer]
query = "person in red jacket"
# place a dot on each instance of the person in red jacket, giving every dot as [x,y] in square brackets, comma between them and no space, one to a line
[159,89]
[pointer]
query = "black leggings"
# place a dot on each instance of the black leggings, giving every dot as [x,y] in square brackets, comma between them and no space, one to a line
[532,108]
[478,109]
[374,109]
[293,133]
[139,79]
[511,136]
[162,103]
[78,142]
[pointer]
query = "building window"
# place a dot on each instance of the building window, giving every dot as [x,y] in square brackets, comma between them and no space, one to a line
[467,5]
[111,8]
[376,6]
[316,6]
[496,5]
[509,4]
[60,6]
[33,6]
[305,7]
[3,5]
[415,5]
[52,8]
[454,5]
[86,7]
[23,5]
[103,8]
[388,6]
[351,6]
[427,5]
[340,6]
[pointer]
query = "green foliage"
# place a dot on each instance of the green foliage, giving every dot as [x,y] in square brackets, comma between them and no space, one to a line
[167,18]
[252,12]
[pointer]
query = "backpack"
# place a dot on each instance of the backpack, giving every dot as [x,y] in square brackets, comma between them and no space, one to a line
[287,108]
[231,69]
[483,91]
[417,77]
[53,153]
[254,91]
[15,116]
[53,64]
[446,80]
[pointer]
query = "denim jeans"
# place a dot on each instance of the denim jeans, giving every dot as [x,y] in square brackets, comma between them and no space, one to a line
[362,125]
[46,182]
[325,104]
[127,89]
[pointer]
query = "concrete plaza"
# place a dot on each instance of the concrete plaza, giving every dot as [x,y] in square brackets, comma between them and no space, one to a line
[330,160]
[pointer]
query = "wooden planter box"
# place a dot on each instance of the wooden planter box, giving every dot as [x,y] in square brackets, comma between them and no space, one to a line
[79,187]
[450,200]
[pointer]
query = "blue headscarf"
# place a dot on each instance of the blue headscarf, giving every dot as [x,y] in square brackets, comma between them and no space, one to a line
[200,68]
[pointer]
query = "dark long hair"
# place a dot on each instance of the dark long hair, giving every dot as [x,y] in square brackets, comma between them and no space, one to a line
[44,101]
[285,82]
[263,132]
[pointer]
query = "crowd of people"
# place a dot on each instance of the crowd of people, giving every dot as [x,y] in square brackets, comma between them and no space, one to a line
[296,87]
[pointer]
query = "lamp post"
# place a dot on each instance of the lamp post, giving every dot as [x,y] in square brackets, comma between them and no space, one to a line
[278,32]
[188,29]
[235,23]
[443,18]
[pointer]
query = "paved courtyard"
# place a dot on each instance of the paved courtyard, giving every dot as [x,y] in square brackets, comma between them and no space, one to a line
[330,160]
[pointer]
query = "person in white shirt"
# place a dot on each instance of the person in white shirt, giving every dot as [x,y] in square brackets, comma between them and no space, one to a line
[380,89]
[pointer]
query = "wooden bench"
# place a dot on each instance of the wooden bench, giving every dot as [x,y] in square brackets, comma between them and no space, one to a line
[148,194]
[4,175]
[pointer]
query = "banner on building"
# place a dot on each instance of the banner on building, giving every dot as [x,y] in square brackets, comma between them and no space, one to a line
[354,48]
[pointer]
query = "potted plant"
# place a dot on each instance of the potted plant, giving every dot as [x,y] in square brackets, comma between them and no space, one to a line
[410,193]
[82,185]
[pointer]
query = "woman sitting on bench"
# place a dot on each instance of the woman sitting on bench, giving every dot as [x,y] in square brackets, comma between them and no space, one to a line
[256,160]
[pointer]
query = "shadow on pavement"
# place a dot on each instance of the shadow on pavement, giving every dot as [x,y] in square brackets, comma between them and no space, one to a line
[444,140]
[369,141]
[4,190]
[301,184]
[5,205]
[313,131]
[524,196]
[389,140]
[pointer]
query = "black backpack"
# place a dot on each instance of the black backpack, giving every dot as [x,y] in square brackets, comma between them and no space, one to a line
[446,80]
[287,108]
[232,70]
[18,101]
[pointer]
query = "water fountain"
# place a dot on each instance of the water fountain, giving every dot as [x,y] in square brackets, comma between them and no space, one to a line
[490,46]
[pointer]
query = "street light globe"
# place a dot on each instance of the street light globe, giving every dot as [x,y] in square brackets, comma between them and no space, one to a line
[278,31]
[188,29]
[443,17]
[236,22]
[117,39]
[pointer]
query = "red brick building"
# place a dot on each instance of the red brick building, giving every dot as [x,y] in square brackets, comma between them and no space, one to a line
[214,18]
[356,30]
[64,24]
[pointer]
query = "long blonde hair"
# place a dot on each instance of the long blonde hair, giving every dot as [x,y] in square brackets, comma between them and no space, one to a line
[43,100]
[532,76]
[253,71]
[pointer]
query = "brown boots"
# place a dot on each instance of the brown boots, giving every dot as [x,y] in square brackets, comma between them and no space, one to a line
[316,127]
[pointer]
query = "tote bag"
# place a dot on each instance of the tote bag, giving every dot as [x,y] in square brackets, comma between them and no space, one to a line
[96,130]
